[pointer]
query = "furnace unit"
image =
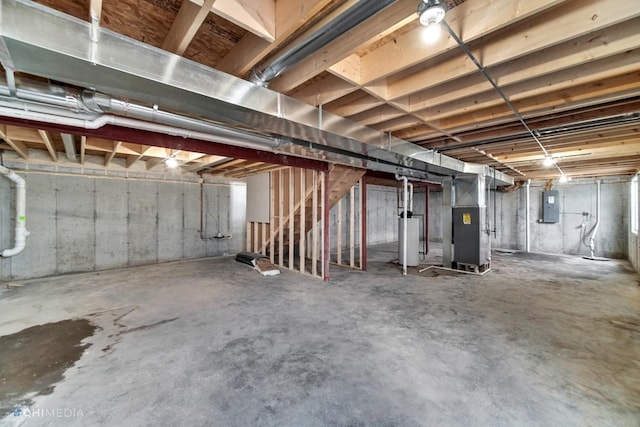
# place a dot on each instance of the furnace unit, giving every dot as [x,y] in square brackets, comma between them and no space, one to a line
[472,246]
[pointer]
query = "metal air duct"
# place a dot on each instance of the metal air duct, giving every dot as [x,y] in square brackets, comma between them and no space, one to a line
[355,15]
[60,48]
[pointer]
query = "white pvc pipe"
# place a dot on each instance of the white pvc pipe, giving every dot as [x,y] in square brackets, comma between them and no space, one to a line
[527,219]
[405,189]
[410,197]
[21,219]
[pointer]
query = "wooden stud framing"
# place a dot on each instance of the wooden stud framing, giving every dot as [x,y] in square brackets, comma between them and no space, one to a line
[248,238]
[255,237]
[46,138]
[352,227]
[263,243]
[363,223]
[272,214]
[326,232]
[314,226]
[291,216]
[303,221]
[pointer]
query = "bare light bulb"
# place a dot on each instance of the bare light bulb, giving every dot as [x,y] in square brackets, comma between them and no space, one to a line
[431,34]
[171,163]
[564,179]
[548,161]
[431,12]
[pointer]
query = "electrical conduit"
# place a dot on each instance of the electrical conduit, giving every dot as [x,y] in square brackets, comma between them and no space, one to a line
[21,220]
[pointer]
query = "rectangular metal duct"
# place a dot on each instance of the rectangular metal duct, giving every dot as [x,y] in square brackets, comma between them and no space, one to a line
[59,47]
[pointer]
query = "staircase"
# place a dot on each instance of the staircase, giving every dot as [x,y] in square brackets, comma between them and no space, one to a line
[341,179]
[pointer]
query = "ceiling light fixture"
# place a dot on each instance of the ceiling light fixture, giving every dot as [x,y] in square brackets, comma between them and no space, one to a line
[548,161]
[564,179]
[171,162]
[431,12]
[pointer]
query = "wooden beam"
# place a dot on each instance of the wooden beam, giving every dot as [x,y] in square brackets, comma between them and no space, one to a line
[108,157]
[580,96]
[375,28]
[378,114]
[324,91]
[510,66]
[290,16]
[559,82]
[95,17]
[409,49]
[619,40]
[19,147]
[185,26]
[46,138]
[256,16]
[83,148]
[131,159]
[352,104]
[206,162]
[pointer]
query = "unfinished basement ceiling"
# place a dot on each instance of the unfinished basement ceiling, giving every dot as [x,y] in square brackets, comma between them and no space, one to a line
[571,68]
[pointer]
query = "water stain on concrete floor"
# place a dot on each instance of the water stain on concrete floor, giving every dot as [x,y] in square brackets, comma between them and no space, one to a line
[33,360]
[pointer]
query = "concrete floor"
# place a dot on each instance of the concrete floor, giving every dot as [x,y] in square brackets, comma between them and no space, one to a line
[540,340]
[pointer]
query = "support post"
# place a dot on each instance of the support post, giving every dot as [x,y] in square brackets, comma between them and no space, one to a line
[339,234]
[280,218]
[326,235]
[352,226]
[447,222]
[291,216]
[363,223]
[272,219]
[314,226]
[426,220]
[527,219]
[303,220]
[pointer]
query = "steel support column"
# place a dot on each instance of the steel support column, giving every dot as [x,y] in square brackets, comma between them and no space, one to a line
[363,224]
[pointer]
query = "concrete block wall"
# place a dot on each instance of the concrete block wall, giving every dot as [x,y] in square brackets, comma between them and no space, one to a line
[86,223]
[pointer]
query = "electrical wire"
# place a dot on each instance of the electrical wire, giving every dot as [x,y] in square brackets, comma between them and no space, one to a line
[486,75]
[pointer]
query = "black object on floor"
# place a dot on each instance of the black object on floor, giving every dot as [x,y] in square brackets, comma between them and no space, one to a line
[248,257]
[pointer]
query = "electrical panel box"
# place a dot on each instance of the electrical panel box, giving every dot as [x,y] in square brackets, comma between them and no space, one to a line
[550,206]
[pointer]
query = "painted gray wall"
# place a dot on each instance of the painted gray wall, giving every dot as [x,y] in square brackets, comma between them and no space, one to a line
[86,223]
